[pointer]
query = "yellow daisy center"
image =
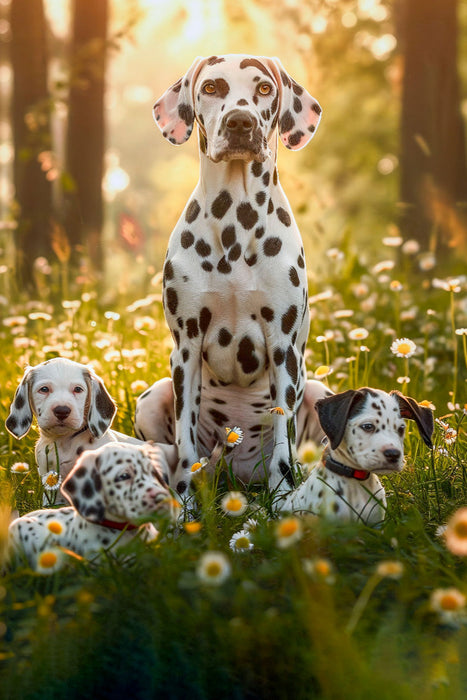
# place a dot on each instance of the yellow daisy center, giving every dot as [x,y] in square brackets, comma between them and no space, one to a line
[234,504]
[196,466]
[449,601]
[322,371]
[192,528]
[55,527]
[213,569]
[52,480]
[232,436]
[322,568]
[21,468]
[47,560]
[460,529]
[288,528]
[404,348]
[242,542]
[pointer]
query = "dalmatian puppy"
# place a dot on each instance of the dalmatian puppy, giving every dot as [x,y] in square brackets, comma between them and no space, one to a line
[365,429]
[74,412]
[111,490]
[234,279]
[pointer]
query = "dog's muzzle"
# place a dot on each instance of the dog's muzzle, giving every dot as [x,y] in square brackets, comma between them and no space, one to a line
[243,136]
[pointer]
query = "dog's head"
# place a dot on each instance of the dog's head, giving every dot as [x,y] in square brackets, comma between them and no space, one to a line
[237,101]
[65,396]
[119,481]
[366,427]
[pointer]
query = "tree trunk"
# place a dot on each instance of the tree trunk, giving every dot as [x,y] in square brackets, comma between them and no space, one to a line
[86,127]
[433,159]
[30,111]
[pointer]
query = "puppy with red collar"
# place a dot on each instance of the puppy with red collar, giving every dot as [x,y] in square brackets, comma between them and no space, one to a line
[365,429]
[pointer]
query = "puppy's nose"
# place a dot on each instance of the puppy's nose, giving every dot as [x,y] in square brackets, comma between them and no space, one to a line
[392,454]
[61,412]
[239,121]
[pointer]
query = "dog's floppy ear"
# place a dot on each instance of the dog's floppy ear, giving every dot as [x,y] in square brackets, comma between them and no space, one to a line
[422,415]
[174,112]
[299,112]
[102,407]
[20,417]
[334,412]
[83,487]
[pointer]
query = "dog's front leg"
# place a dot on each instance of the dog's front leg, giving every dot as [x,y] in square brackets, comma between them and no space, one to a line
[186,376]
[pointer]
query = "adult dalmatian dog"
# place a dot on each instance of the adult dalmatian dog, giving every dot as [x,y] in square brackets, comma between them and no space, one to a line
[234,282]
[74,412]
[365,429]
[111,490]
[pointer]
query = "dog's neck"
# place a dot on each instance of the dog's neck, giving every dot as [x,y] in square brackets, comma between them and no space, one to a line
[340,466]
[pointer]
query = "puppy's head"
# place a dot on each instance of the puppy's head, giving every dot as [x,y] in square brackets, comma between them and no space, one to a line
[366,427]
[238,101]
[118,481]
[65,396]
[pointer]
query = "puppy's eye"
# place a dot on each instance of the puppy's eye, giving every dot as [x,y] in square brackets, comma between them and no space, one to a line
[209,88]
[124,476]
[43,390]
[401,430]
[264,88]
[368,427]
[78,389]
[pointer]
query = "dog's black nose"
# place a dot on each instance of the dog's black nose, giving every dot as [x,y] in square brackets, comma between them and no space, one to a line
[62,412]
[392,454]
[239,121]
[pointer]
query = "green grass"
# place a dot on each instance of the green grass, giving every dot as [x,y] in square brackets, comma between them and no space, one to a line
[146,626]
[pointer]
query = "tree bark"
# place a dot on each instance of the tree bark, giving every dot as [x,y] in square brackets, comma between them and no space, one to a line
[86,127]
[30,112]
[433,158]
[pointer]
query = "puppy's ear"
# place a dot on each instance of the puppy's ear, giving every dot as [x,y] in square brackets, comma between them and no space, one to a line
[299,112]
[164,457]
[20,417]
[174,112]
[83,488]
[102,407]
[334,412]
[422,415]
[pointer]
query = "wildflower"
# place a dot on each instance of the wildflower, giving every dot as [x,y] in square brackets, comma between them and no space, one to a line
[403,380]
[392,241]
[145,323]
[358,334]
[13,321]
[250,525]
[320,569]
[343,313]
[213,568]
[51,481]
[328,335]
[395,286]
[20,467]
[55,527]
[427,404]
[307,452]
[411,247]
[234,503]
[322,296]
[450,436]
[234,435]
[288,531]
[451,284]
[198,466]
[426,262]
[390,569]
[72,305]
[192,527]
[461,331]
[383,266]
[322,372]
[49,561]
[403,347]
[112,315]
[40,316]
[456,533]
[241,541]
[448,603]
[277,411]
[138,386]
[360,290]
[334,254]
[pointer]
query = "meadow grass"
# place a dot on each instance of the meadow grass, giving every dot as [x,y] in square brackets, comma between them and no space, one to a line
[338,611]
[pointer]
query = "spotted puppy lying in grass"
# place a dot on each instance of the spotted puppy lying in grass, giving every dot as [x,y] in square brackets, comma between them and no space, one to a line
[111,491]
[365,429]
[74,412]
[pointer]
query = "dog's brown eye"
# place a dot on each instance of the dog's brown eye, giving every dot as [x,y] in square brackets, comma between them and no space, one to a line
[209,88]
[401,430]
[368,427]
[123,477]
[78,389]
[43,390]
[264,89]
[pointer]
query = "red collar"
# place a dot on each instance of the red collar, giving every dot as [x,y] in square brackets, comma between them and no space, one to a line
[117,526]
[343,470]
